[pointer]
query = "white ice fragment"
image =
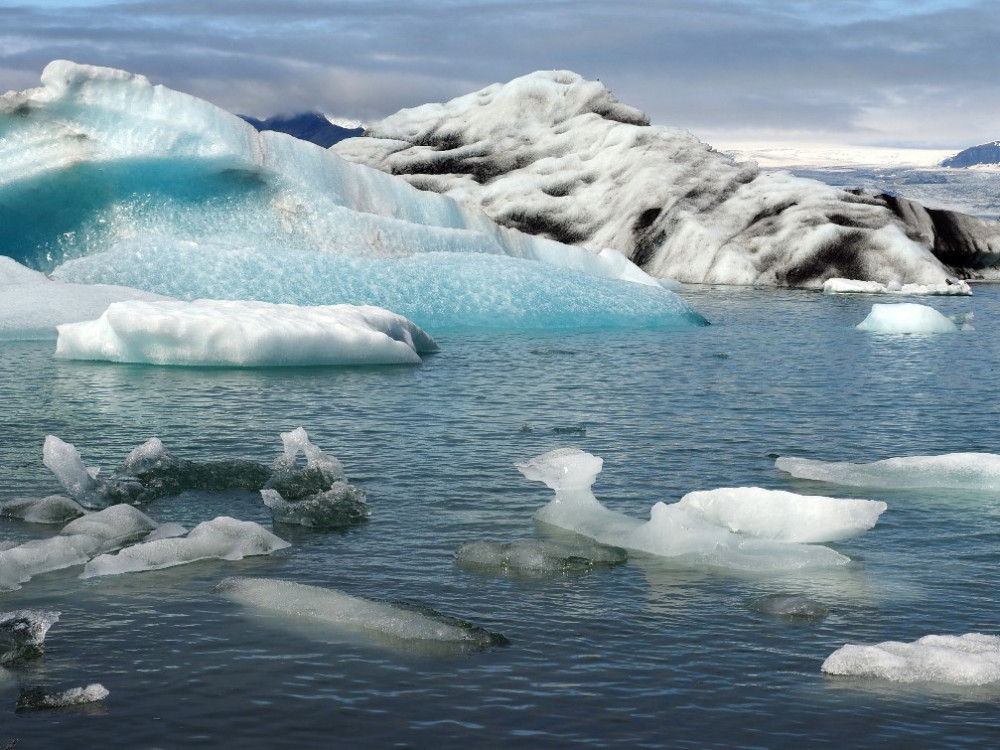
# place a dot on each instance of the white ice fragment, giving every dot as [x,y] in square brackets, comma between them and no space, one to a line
[37,698]
[970,659]
[52,509]
[975,471]
[244,334]
[64,460]
[222,538]
[955,287]
[353,614]
[27,627]
[784,516]
[906,317]
[671,531]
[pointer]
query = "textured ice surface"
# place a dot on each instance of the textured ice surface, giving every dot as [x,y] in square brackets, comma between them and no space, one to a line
[674,530]
[557,155]
[22,633]
[222,538]
[974,471]
[32,305]
[953,287]
[784,516]
[971,659]
[530,557]
[132,171]
[295,479]
[380,621]
[49,510]
[214,332]
[906,317]
[39,698]
[341,505]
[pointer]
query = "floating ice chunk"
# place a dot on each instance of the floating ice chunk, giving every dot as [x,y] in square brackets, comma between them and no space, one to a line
[294,480]
[975,471]
[971,659]
[533,557]
[790,607]
[37,698]
[244,334]
[377,620]
[784,516]
[22,633]
[222,538]
[671,531]
[341,505]
[49,510]
[110,528]
[955,287]
[32,305]
[63,460]
[906,317]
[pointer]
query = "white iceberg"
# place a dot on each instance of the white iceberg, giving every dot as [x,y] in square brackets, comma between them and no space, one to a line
[699,531]
[970,659]
[974,471]
[160,191]
[558,156]
[380,621]
[245,334]
[222,538]
[906,317]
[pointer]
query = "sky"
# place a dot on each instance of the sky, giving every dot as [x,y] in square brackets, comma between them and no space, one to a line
[891,73]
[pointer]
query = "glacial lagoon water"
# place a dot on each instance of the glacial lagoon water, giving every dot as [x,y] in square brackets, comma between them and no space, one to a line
[647,654]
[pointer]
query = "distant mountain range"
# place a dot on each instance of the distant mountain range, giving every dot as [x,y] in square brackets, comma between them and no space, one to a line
[986,153]
[309,126]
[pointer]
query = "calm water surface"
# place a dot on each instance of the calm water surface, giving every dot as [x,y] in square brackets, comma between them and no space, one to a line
[650,654]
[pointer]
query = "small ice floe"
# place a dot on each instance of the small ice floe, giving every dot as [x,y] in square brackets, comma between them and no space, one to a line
[37,698]
[76,543]
[971,659]
[529,557]
[790,607]
[969,471]
[22,633]
[906,317]
[244,334]
[745,528]
[314,493]
[951,287]
[382,622]
[53,509]
[222,538]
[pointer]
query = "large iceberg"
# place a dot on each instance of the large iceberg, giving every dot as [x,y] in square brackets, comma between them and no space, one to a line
[213,332]
[157,190]
[556,155]
[971,471]
[744,528]
[970,659]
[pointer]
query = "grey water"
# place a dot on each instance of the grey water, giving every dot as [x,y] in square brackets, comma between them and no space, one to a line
[650,654]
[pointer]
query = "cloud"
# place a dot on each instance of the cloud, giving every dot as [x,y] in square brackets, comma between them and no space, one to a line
[854,71]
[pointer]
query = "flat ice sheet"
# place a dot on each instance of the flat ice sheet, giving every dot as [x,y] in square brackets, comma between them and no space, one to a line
[255,334]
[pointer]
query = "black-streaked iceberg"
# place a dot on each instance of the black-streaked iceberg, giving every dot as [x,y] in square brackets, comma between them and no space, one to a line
[732,528]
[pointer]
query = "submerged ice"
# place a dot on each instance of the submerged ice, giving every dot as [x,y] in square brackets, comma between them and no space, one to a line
[399,624]
[745,528]
[213,332]
[179,196]
[532,557]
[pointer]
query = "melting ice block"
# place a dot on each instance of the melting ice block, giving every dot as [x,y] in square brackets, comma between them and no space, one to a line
[222,538]
[702,529]
[906,317]
[975,471]
[971,659]
[378,620]
[247,334]
[47,510]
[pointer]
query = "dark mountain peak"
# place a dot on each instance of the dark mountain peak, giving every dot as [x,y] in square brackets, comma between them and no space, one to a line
[308,126]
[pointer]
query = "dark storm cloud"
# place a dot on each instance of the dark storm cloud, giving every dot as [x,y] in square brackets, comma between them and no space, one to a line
[918,71]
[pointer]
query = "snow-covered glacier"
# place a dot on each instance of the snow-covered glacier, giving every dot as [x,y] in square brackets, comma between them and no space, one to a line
[556,155]
[109,179]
